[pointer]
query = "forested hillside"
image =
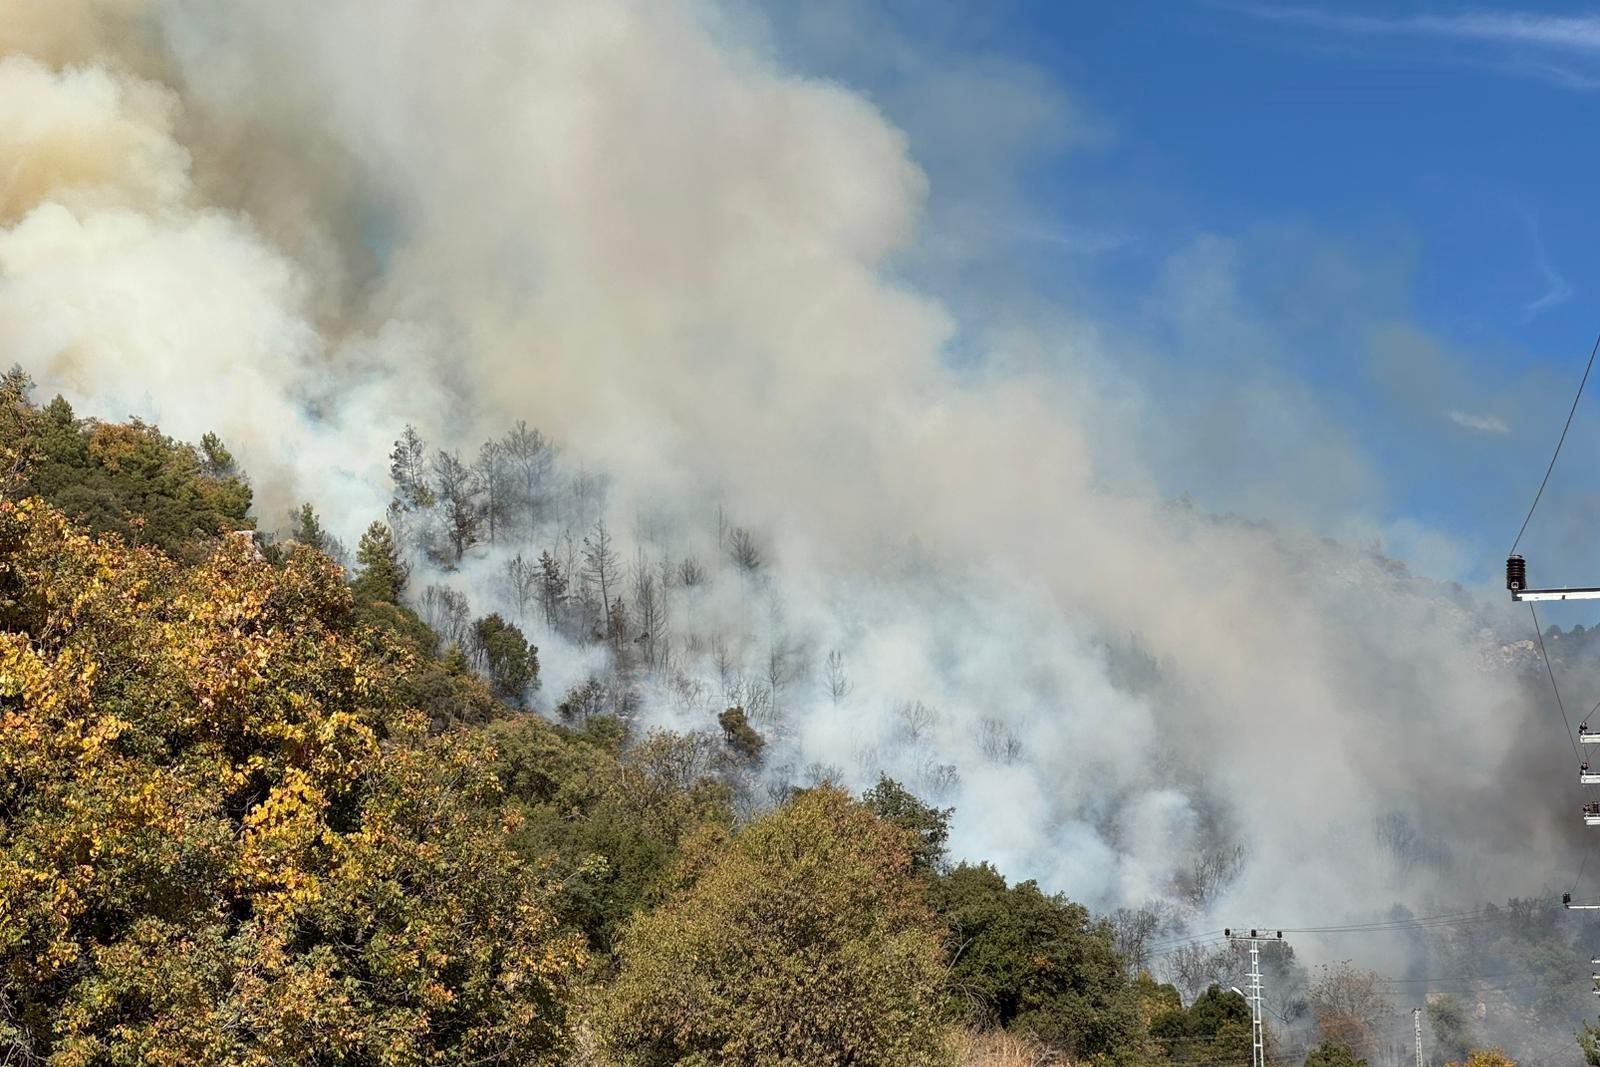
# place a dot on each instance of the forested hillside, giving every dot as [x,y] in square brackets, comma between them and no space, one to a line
[255,810]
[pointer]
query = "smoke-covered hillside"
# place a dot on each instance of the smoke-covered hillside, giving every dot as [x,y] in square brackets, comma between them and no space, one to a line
[673,732]
[740,454]
[273,223]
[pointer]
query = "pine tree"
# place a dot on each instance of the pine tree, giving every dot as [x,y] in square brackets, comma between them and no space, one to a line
[217,460]
[383,573]
[524,579]
[306,528]
[552,588]
[511,663]
[15,385]
[408,469]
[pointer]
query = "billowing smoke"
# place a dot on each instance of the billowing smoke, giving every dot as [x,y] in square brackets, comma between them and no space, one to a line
[305,224]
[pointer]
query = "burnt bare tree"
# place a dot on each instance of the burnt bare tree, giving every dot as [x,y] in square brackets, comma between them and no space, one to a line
[531,459]
[998,742]
[494,480]
[446,612]
[689,572]
[585,490]
[552,589]
[459,490]
[723,659]
[617,630]
[743,550]
[600,573]
[650,614]
[833,674]
[915,719]
[1350,1007]
[1194,967]
[1133,929]
[523,579]
[782,666]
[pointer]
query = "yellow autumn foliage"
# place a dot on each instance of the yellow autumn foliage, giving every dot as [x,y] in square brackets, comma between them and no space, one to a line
[1491,1057]
[224,839]
[802,940]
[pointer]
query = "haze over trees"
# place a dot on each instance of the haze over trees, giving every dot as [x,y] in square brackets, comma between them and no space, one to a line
[256,808]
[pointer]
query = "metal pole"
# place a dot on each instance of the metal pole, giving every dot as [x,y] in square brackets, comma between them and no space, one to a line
[1258,1036]
[1258,1045]
[1416,1018]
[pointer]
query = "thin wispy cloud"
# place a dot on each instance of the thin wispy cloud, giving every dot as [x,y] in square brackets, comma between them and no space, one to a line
[1550,48]
[1479,423]
[1556,74]
[1557,289]
[1573,33]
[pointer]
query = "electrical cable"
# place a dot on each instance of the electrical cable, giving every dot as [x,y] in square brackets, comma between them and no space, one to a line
[1571,738]
[1443,921]
[1581,868]
[1559,443]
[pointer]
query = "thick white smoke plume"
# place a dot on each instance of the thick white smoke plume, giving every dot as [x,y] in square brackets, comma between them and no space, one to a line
[305,224]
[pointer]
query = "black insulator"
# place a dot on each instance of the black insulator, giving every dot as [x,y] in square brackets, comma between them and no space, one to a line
[1516,573]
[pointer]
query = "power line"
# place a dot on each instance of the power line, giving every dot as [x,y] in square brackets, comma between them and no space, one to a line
[1426,922]
[1559,443]
[1444,921]
[1400,922]
[1584,866]
[1554,688]
[1451,978]
[1158,941]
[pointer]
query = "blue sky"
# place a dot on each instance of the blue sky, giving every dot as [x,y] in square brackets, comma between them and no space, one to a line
[1394,201]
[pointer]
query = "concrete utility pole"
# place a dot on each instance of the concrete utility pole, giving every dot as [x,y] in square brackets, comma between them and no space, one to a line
[1416,1019]
[1258,1043]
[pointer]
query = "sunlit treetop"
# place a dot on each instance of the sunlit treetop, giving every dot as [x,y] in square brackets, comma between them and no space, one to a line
[227,839]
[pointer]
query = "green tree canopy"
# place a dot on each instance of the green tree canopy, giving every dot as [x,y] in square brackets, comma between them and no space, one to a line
[1450,1026]
[1333,1055]
[381,573]
[125,478]
[512,664]
[306,527]
[803,940]
[1589,1044]
[1035,962]
[616,811]
[892,801]
[1214,1029]
[742,738]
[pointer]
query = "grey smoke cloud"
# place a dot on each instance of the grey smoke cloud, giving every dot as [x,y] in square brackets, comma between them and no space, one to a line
[305,224]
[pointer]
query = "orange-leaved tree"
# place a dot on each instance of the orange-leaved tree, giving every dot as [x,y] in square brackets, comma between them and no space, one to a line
[223,838]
